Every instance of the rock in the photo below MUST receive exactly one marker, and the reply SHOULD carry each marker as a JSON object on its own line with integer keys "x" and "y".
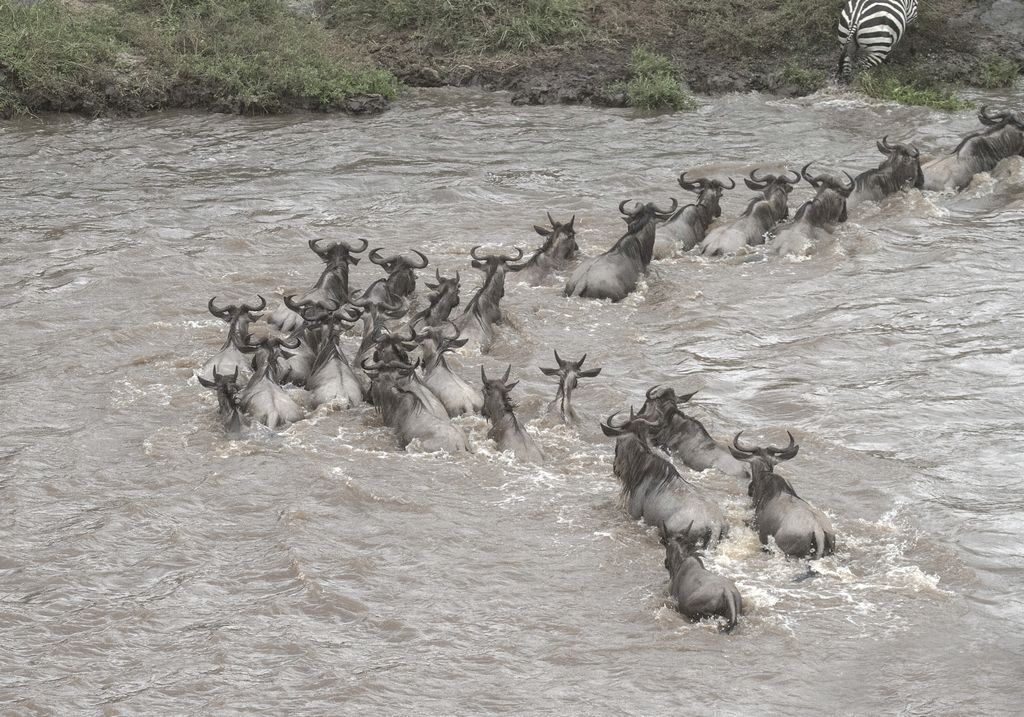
{"x": 365, "y": 104}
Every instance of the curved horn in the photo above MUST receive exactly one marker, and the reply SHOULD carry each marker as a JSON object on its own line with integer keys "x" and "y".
{"x": 848, "y": 189}
{"x": 483, "y": 375}
{"x": 508, "y": 372}
{"x": 353, "y": 250}
{"x": 689, "y": 186}
{"x": 367, "y": 364}
{"x": 731, "y": 186}
{"x": 505, "y": 258}
{"x": 651, "y": 390}
{"x": 738, "y": 447}
{"x": 670, "y": 210}
{"x": 787, "y": 181}
{"x": 437, "y": 273}
{"x": 314, "y": 244}
{"x": 622, "y": 207}
{"x": 289, "y": 301}
{"x": 558, "y": 359}
{"x": 261, "y": 307}
{"x": 423, "y": 259}
{"x": 219, "y": 313}
{"x": 472, "y": 253}
{"x": 913, "y": 151}
{"x": 553, "y": 222}
{"x": 754, "y": 178}
{"x": 784, "y": 454}
{"x": 803, "y": 172}
{"x": 377, "y": 259}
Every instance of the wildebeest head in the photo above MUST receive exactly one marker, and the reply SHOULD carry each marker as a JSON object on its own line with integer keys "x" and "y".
{"x": 496, "y": 394}
{"x": 267, "y": 354}
{"x": 338, "y": 254}
{"x": 559, "y": 239}
{"x": 829, "y": 205}
{"x": 228, "y": 404}
{"x": 775, "y": 189}
{"x": 1002, "y": 137}
{"x": 435, "y": 341}
{"x": 762, "y": 464}
{"x": 238, "y": 317}
{"x": 663, "y": 401}
{"x": 643, "y": 214}
{"x": 639, "y": 426}
{"x": 401, "y": 281}
{"x": 491, "y": 263}
{"x": 902, "y": 163}
{"x": 679, "y": 547}
{"x": 569, "y": 373}
{"x": 708, "y": 191}
{"x": 393, "y": 346}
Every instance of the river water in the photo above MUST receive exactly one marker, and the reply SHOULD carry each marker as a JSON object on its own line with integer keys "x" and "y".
{"x": 152, "y": 566}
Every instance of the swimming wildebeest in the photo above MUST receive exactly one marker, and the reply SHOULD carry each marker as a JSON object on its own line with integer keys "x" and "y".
{"x": 231, "y": 357}
{"x": 332, "y": 380}
{"x": 558, "y": 249}
{"x": 483, "y": 311}
{"x": 456, "y": 394}
{"x": 569, "y": 373}
{"x": 332, "y": 286}
{"x": 979, "y": 151}
{"x": 697, "y": 591}
{"x": 799, "y": 529}
{"x": 443, "y": 297}
{"x": 401, "y": 281}
{"x": 687, "y": 227}
{"x": 228, "y": 403}
{"x": 816, "y": 218}
{"x": 652, "y": 487}
{"x": 900, "y": 169}
{"x": 506, "y": 430}
{"x": 263, "y": 398}
{"x": 615, "y": 273}
{"x": 685, "y": 437}
{"x": 760, "y": 217}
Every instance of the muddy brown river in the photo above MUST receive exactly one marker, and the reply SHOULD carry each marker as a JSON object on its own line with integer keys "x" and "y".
{"x": 152, "y": 566}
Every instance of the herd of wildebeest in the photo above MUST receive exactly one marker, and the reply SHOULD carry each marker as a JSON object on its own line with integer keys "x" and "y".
{"x": 301, "y": 343}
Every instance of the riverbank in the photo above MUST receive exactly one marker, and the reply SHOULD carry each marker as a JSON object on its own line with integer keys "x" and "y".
{"x": 265, "y": 56}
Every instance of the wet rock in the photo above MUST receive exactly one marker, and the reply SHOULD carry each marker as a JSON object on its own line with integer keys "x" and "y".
{"x": 365, "y": 104}
{"x": 422, "y": 76}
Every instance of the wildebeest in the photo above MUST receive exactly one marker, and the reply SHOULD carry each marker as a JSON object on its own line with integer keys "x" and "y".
{"x": 615, "y": 273}
{"x": 230, "y": 357}
{"x": 979, "y": 151}
{"x": 263, "y": 398}
{"x": 760, "y": 217}
{"x": 443, "y": 298}
{"x": 652, "y": 487}
{"x": 685, "y": 437}
{"x": 332, "y": 286}
{"x": 228, "y": 403}
{"x": 816, "y": 218}
{"x": 332, "y": 379}
{"x": 569, "y": 373}
{"x": 687, "y": 227}
{"x": 456, "y": 394}
{"x": 799, "y": 529}
{"x": 506, "y": 430}
{"x": 558, "y": 249}
{"x": 483, "y": 311}
{"x": 401, "y": 281}
{"x": 698, "y": 592}
{"x": 900, "y": 169}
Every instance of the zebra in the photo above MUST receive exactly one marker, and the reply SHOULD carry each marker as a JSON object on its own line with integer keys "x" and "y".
{"x": 874, "y": 27}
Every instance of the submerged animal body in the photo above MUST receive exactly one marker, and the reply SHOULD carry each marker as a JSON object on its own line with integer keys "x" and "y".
{"x": 263, "y": 398}
{"x": 687, "y": 227}
{"x": 332, "y": 380}
{"x": 654, "y": 490}
{"x": 685, "y": 437}
{"x": 555, "y": 254}
{"x": 443, "y": 298}
{"x": 979, "y": 151}
{"x": 759, "y": 218}
{"x": 231, "y": 357}
{"x": 798, "y": 528}
{"x": 483, "y": 312}
{"x": 228, "y": 404}
{"x": 614, "y": 274}
{"x": 506, "y": 430}
{"x": 401, "y": 281}
{"x": 815, "y": 219}
{"x": 457, "y": 396}
{"x": 900, "y": 170}
{"x": 699, "y": 593}
{"x": 569, "y": 373}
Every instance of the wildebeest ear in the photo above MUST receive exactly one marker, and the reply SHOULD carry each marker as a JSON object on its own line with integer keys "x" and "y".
{"x": 510, "y": 386}
{"x": 457, "y": 343}
{"x": 739, "y": 455}
{"x": 477, "y": 264}
{"x": 206, "y": 382}
{"x": 685, "y": 398}
{"x": 589, "y": 373}
{"x": 548, "y": 371}
{"x": 543, "y": 231}
{"x": 756, "y": 186}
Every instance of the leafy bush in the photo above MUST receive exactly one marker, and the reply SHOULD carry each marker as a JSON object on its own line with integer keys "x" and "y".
{"x": 654, "y": 83}
{"x": 908, "y": 87}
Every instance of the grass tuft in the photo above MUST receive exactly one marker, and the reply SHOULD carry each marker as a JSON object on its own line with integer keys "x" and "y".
{"x": 654, "y": 83}
{"x": 997, "y": 72}
{"x": 805, "y": 80}
{"x": 908, "y": 87}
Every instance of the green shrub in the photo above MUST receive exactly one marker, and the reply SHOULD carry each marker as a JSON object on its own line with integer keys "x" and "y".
{"x": 908, "y": 87}
{"x": 807, "y": 81}
{"x": 997, "y": 72}
{"x": 474, "y": 25}
{"x": 654, "y": 83}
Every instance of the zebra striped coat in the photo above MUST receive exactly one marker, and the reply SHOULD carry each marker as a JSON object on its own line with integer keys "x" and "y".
{"x": 873, "y": 27}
